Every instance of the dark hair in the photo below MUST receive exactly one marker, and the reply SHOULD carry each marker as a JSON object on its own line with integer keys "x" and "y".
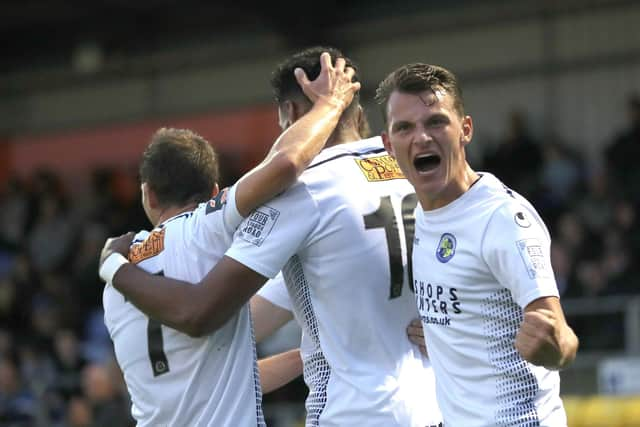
{"x": 180, "y": 167}
{"x": 284, "y": 83}
{"x": 416, "y": 78}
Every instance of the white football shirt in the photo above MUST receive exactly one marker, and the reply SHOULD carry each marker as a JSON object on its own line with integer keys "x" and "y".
{"x": 173, "y": 379}
{"x": 478, "y": 262}
{"x": 340, "y": 237}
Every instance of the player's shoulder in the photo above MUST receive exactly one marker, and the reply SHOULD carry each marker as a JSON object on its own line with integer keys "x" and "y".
{"x": 509, "y": 209}
{"x": 359, "y": 162}
{"x": 147, "y": 245}
{"x": 336, "y": 158}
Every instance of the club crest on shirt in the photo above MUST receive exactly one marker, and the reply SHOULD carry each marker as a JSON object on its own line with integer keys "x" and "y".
{"x": 258, "y": 225}
{"x": 380, "y": 168}
{"x": 446, "y": 248}
{"x": 522, "y": 220}
{"x": 217, "y": 202}
{"x": 149, "y": 247}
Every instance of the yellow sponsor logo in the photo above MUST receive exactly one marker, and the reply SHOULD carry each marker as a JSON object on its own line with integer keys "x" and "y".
{"x": 381, "y": 168}
{"x": 150, "y": 247}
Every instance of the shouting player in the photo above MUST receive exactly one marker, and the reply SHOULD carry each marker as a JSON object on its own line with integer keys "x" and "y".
{"x": 487, "y": 296}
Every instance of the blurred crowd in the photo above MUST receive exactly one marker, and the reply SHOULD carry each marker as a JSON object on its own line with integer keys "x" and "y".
{"x": 56, "y": 361}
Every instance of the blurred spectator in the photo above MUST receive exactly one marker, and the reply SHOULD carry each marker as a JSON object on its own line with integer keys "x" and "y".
{"x": 86, "y": 284}
{"x": 36, "y": 366}
{"x": 79, "y": 412}
{"x": 560, "y": 173}
{"x": 17, "y": 404}
{"x": 108, "y": 406}
{"x": 50, "y": 240}
{"x": 517, "y": 160}
{"x": 622, "y": 154}
{"x": 69, "y": 363}
{"x": 562, "y": 266}
{"x": 595, "y": 208}
{"x": 570, "y": 232}
{"x": 14, "y": 214}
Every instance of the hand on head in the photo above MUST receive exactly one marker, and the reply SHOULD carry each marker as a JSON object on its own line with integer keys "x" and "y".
{"x": 333, "y": 85}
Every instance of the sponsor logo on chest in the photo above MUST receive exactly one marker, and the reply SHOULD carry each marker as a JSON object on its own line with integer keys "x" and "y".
{"x": 380, "y": 168}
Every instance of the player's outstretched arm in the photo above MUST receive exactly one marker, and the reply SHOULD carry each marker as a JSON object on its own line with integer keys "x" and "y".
{"x": 544, "y": 338}
{"x": 279, "y": 370}
{"x": 194, "y": 310}
{"x": 293, "y": 151}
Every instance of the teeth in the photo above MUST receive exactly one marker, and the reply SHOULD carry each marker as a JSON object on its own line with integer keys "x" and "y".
{"x": 425, "y": 156}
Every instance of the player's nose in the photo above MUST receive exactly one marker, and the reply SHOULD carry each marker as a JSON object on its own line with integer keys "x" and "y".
{"x": 422, "y": 136}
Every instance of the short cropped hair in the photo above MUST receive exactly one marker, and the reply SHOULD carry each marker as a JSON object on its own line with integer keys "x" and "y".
{"x": 416, "y": 78}
{"x": 284, "y": 83}
{"x": 179, "y": 166}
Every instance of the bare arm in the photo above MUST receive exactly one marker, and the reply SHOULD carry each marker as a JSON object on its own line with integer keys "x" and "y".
{"x": 544, "y": 338}
{"x": 280, "y": 369}
{"x": 195, "y": 310}
{"x": 292, "y": 152}
{"x": 267, "y": 317}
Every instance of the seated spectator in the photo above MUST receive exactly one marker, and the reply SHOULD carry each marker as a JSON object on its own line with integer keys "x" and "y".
{"x": 18, "y": 405}
{"x": 622, "y": 154}
{"x": 518, "y": 158}
{"x": 108, "y": 406}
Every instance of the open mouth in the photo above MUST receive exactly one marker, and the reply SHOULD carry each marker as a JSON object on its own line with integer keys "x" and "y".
{"x": 426, "y": 162}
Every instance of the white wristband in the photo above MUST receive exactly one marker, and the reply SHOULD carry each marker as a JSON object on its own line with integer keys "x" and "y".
{"x": 111, "y": 265}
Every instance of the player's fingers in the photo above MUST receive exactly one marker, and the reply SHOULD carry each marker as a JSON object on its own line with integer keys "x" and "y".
{"x": 416, "y": 340}
{"x": 542, "y": 322}
{"x": 349, "y": 72}
{"x": 340, "y": 64}
{"x": 423, "y": 350}
{"x": 301, "y": 77}
{"x": 413, "y": 331}
{"x": 325, "y": 61}
{"x": 541, "y": 314}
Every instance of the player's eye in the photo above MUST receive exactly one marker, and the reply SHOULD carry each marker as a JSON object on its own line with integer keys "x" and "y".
{"x": 437, "y": 121}
{"x": 400, "y": 127}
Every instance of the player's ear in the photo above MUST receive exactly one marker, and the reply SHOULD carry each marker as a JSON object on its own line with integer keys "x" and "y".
{"x": 284, "y": 114}
{"x": 216, "y": 190}
{"x": 288, "y": 112}
{"x": 149, "y": 195}
{"x": 387, "y": 143}
{"x": 467, "y": 130}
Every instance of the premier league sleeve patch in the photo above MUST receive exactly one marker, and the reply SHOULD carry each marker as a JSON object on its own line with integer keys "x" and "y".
{"x": 446, "y": 248}
{"x": 258, "y": 225}
{"x": 522, "y": 220}
{"x": 535, "y": 262}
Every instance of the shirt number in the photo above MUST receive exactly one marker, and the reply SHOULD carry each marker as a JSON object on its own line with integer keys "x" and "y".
{"x": 385, "y": 218}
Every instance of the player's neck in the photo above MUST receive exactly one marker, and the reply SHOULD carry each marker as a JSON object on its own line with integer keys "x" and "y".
{"x": 343, "y": 135}
{"x": 455, "y": 189}
{"x": 172, "y": 211}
